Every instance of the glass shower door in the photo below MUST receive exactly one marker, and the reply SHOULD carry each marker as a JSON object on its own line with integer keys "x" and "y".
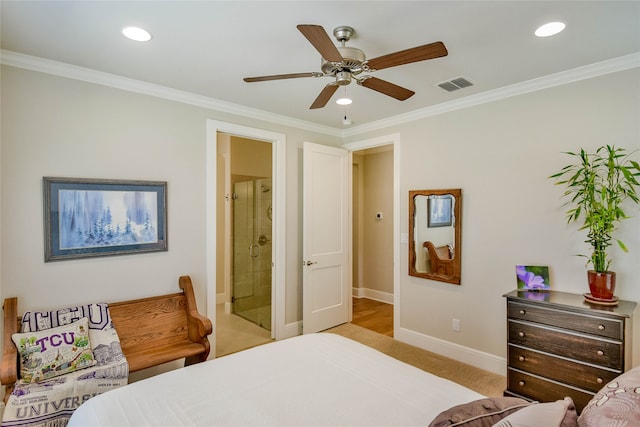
{"x": 252, "y": 251}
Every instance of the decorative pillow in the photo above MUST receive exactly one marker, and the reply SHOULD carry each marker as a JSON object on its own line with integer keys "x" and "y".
{"x": 52, "y": 352}
{"x": 479, "y": 413}
{"x": 616, "y": 404}
{"x": 561, "y": 413}
{"x": 98, "y": 315}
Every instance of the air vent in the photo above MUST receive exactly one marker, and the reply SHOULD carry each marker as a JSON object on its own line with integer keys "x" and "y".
{"x": 455, "y": 84}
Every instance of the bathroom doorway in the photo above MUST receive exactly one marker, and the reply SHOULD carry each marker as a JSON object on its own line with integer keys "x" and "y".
{"x": 234, "y": 333}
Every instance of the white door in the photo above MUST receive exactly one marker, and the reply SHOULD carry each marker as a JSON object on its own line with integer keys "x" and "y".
{"x": 326, "y": 237}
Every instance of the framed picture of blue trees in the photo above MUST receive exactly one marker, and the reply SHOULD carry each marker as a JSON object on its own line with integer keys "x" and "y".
{"x": 91, "y": 217}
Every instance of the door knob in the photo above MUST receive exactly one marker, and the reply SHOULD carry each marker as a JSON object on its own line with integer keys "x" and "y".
{"x": 308, "y": 263}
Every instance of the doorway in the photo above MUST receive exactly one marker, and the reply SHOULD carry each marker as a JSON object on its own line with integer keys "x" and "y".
{"x": 218, "y": 233}
{"x": 248, "y": 228}
{"x": 373, "y": 238}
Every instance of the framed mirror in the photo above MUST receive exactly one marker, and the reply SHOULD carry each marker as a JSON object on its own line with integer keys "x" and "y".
{"x": 435, "y": 230}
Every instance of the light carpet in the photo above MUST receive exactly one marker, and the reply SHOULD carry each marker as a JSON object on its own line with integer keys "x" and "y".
{"x": 484, "y": 382}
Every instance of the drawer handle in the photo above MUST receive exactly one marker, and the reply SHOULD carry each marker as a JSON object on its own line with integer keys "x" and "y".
{"x": 601, "y": 327}
{"x": 599, "y": 380}
{"x": 521, "y": 334}
{"x": 600, "y": 353}
{"x": 522, "y": 358}
{"x": 521, "y": 383}
{"x": 523, "y": 311}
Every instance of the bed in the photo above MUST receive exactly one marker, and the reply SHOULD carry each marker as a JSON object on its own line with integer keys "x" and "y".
{"x": 311, "y": 380}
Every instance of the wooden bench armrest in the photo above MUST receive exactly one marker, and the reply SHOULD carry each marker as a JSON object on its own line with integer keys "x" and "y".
{"x": 199, "y": 325}
{"x": 8, "y": 366}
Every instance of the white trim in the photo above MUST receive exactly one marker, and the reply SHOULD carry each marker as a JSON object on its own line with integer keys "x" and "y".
{"x": 221, "y": 298}
{"x": 564, "y": 77}
{"x": 279, "y": 168}
{"x": 373, "y": 294}
{"x": 61, "y": 69}
{"x": 42, "y": 65}
{"x": 373, "y": 142}
{"x": 292, "y": 330}
{"x": 470, "y": 356}
{"x": 210, "y": 228}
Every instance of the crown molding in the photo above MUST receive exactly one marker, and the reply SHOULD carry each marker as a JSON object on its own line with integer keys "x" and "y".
{"x": 61, "y": 69}
{"x": 564, "y": 77}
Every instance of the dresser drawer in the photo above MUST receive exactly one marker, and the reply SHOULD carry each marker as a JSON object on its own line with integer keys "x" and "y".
{"x": 542, "y": 390}
{"x": 603, "y": 327}
{"x": 588, "y": 377}
{"x": 597, "y": 351}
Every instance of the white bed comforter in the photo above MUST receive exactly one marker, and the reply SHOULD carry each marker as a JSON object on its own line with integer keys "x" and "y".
{"x": 310, "y": 380}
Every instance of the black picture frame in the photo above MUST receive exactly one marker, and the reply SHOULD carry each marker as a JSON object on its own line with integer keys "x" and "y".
{"x": 86, "y": 217}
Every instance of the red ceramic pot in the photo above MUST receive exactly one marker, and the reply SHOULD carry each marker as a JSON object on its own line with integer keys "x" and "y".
{"x": 602, "y": 285}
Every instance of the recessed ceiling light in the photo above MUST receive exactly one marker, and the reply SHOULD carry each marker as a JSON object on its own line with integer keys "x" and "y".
{"x": 344, "y": 101}
{"x": 137, "y": 34}
{"x": 550, "y": 29}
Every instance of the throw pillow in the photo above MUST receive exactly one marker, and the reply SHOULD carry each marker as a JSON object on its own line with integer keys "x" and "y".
{"x": 561, "y": 413}
{"x": 97, "y": 313}
{"x": 53, "y": 352}
{"x": 479, "y": 413}
{"x": 616, "y": 404}
{"x": 104, "y": 337}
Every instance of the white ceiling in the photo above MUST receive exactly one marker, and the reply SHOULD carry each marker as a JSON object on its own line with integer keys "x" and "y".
{"x": 207, "y": 47}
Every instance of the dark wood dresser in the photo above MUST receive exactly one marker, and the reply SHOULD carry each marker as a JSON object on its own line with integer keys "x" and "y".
{"x": 559, "y": 345}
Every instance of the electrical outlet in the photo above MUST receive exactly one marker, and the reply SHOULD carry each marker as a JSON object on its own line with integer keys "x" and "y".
{"x": 456, "y": 325}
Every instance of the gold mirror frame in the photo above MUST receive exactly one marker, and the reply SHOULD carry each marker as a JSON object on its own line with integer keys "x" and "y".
{"x": 449, "y": 270}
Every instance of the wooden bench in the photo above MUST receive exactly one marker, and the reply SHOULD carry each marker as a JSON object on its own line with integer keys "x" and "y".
{"x": 440, "y": 259}
{"x": 152, "y": 331}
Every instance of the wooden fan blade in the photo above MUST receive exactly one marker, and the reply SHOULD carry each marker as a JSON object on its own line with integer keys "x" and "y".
{"x": 319, "y": 38}
{"x": 280, "y": 77}
{"x": 324, "y": 96}
{"x": 386, "y": 88}
{"x": 408, "y": 56}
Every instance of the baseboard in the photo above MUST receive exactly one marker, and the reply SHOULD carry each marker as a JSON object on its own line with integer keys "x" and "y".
{"x": 373, "y": 294}
{"x": 292, "y": 330}
{"x": 221, "y": 298}
{"x": 479, "y": 359}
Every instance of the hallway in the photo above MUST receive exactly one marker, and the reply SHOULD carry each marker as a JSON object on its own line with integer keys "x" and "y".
{"x": 373, "y": 315}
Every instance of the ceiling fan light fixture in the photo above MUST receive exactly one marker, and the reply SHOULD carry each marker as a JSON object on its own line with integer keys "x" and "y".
{"x": 137, "y": 34}
{"x": 346, "y": 63}
{"x": 343, "y": 101}
{"x": 550, "y": 29}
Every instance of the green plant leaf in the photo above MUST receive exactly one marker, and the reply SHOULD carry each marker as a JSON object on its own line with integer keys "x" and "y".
{"x": 597, "y": 185}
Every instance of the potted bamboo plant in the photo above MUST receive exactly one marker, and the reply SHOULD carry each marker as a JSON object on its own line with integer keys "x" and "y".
{"x": 597, "y": 185}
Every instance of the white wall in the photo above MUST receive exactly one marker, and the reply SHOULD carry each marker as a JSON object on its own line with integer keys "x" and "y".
{"x": 378, "y": 233}
{"x": 53, "y": 126}
{"x": 501, "y": 154}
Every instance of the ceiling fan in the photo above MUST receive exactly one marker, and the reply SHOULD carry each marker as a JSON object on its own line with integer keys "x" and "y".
{"x": 347, "y": 63}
